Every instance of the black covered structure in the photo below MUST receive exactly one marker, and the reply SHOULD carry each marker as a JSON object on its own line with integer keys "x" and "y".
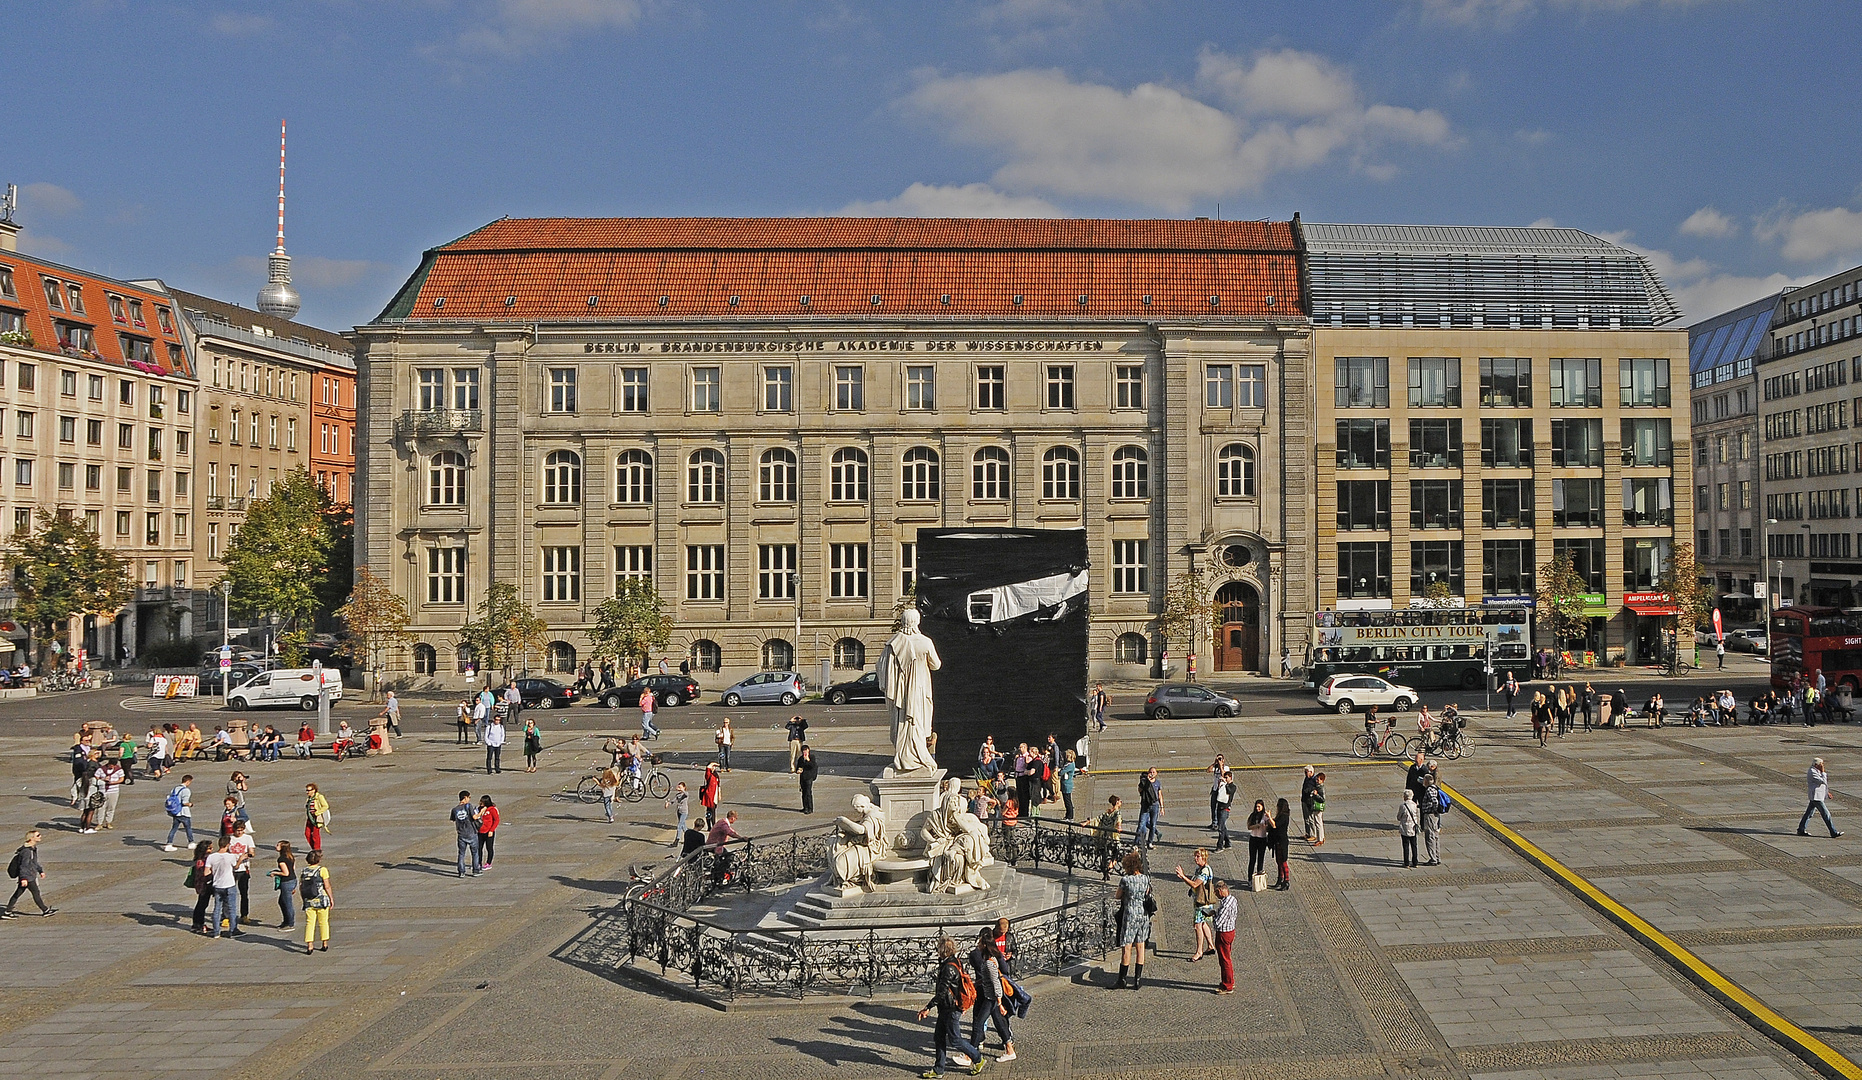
{"x": 1007, "y": 609}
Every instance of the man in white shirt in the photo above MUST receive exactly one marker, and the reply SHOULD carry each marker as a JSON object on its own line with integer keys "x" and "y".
{"x": 222, "y": 879}
{"x": 113, "y": 777}
{"x": 494, "y": 746}
{"x": 157, "y": 747}
{"x": 241, "y": 845}
{"x": 513, "y": 702}
{"x": 1227, "y": 910}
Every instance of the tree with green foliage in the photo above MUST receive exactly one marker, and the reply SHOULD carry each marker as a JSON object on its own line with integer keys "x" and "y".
{"x": 60, "y": 571}
{"x": 630, "y": 624}
{"x": 279, "y": 562}
{"x": 506, "y": 631}
{"x": 376, "y": 617}
{"x": 1188, "y": 609}
{"x": 1561, "y": 600}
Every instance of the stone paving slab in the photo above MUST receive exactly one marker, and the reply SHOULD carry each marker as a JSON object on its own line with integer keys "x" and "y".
{"x": 1749, "y": 1068}
{"x": 1465, "y": 849}
{"x": 1632, "y": 845}
{"x": 1713, "y": 800}
{"x": 1816, "y": 984}
{"x": 1715, "y": 900}
{"x": 133, "y": 1039}
{"x": 1421, "y": 915}
{"x": 1561, "y": 806}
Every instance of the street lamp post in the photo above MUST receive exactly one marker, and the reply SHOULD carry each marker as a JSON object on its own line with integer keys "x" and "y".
{"x": 226, "y": 638}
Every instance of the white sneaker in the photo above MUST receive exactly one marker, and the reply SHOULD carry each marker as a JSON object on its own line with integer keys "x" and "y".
{"x": 86, "y": 832}
{"x": 1010, "y": 1056}
{"x": 962, "y": 1061}
{"x": 169, "y": 847}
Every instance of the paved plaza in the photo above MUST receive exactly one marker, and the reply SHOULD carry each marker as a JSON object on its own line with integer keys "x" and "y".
{"x": 1483, "y": 967}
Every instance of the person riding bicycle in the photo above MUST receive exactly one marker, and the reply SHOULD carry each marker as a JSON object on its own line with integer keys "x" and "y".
{"x": 1425, "y": 725}
{"x": 1370, "y": 724}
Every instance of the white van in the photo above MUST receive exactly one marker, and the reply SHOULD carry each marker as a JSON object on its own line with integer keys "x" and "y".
{"x": 286, "y": 686}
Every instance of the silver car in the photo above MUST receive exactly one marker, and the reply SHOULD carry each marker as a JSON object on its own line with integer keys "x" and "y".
{"x": 768, "y": 686}
{"x": 1188, "y": 699}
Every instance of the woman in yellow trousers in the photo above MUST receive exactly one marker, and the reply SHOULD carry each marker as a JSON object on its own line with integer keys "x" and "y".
{"x": 314, "y": 890}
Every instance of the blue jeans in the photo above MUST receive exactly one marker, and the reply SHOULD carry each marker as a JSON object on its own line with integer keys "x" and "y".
{"x": 1148, "y": 821}
{"x": 949, "y": 1036}
{"x": 647, "y": 730}
{"x": 226, "y": 906}
{"x": 287, "y": 903}
{"x": 181, "y": 821}
{"x": 468, "y": 847}
{"x": 1820, "y": 807}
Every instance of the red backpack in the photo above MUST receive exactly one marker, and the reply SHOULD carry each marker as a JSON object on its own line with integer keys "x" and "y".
{"x": 966, "y": 987}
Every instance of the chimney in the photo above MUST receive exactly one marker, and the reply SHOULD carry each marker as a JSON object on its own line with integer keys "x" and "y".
{"x": 9, "y": 230}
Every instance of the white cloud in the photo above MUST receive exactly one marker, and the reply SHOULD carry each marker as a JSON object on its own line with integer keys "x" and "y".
{"x": 519, "y": 27}
{"x": 1698, "y": 287}
{"x": 38, "y": 243}
{"x": 1543, "y": 223}
{"x": 1507, "y": 12}
{"x": 49, "y": 200}
{"x": 1810, "y": 235}
{"x": 1159, "y": 146}
{"x": 1708, "y": 222}
{"x": 952, "y": 200}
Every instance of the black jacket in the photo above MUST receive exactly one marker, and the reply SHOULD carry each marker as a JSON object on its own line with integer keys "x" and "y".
{"x": 1149, "y": 793}
{"x": 797, "y": 730}
{"x": 949, "y": 985}
{"x": 1308, "y": 791}
{"x": 807, "y": 767}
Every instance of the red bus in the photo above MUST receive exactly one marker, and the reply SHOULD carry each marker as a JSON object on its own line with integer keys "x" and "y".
{"x": 1805, "y": 640}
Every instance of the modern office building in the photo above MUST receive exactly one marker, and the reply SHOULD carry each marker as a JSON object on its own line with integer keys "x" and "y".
{"x": 759, "y": 415}
{"x": 1487, "y": 399}
{"x": 1807, "y": 409}
{"x": 98, "y": 396}
{"x": 1729, "y": 521}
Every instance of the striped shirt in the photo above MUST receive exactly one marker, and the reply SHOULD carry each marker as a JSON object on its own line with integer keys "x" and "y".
{"x": 1226, "y": 913}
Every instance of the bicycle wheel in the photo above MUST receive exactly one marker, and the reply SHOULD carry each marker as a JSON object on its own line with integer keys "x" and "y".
{"x": 1398, "y": 747}
{"x": 1464, "y": 747}
{"x": 588, "y": 791}
{"x": 659, "y": 785}
{"x": 1451, "y": 751}
{"x": 1361, "y": 746}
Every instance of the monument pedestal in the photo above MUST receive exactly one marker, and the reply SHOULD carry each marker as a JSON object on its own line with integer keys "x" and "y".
{"x": 904, "y": 799}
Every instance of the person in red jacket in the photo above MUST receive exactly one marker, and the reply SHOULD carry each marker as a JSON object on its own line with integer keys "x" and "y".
{"x": 708, "y": 795}
{"x": 487, "y": 827}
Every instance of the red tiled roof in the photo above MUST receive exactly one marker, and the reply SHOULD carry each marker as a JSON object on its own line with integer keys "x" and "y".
{"x": 552, "y": 266}
{"x": 28, "y": 276}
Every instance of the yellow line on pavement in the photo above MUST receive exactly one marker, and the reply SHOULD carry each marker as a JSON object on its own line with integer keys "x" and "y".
{"x": 1818, "y": 1054}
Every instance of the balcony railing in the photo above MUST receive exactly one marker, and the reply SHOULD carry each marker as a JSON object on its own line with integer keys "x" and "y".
{"x": 414, "y": 422}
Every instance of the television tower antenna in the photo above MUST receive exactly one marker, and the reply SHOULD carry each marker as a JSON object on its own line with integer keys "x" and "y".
{"x": 278, "y": 297}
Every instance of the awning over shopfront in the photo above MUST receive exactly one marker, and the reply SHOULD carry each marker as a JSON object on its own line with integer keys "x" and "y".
{"x": 1655, "y": 604}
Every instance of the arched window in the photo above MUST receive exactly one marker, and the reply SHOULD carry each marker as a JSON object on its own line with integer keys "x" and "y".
{"x": 850, "y": 653}
{"x": 775, "y": 476}
{"x": 426, "y": 659}
{"x": 559, "y": 656}
{"x": 706, "y": 656}
{"x": 1060, "y": 473}
{"x": 919, "y": 480}
{"x": 989, "y": 473}
{"x": 778, "y": 655}
{"x": 1130, "y": 649}
{"x": 633, "y": 477}
{"x": 1131, "y": 473}
{"x": 465, "y": 661}
{"x": 1234, "y": 471}
{"x": 446, "y": 475}
{"x": 562, "y": 477}
{"x": 847, "y": 475}
{"x": 704, "y": 477}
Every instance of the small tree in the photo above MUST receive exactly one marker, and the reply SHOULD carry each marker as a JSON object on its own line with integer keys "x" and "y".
{"x": 1561, "y": 599}
{"x": 506, "y": 632}
{"x": 376, "y": 617}
{"x": 279, "y": 562}
{"x": 1188, "y": 609}
{"x": 1436, "y": 594}
{"x": 60, "y": 571}
{"x": 630, "y": 623}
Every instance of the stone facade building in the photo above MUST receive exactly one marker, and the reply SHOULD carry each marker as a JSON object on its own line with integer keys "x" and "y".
{"x": 758, "y": 416}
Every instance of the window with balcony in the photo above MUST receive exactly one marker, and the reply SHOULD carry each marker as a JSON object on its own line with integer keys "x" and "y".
{"x": 1364, "y": 444}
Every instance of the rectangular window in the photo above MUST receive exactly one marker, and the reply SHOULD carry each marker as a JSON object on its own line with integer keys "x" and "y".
{"x": 290, "y": 435}
{"x": 93, "y": 478}
{"x": 1219, "y": 386}
{"x": 1436, "y": 562}
{"x": 633, "y": 562}
{"x": 1128, "y": 386}
{"x": 707, "y": 390}
{"x": 125, "y": 436}
{"x": 1577, "y": 503}
{"x": 1129, "y": 566}
{"x": 634, "y": 389}
{"x": 93, "y": 432}
{"x": 1435, "y": 444}
{"x": 1506, "y": 568}
{"x": 991, "y": 386}
{"x": 1745, "y": 495}
{"x": 68, "y": 383}
{"x": 68, "y": 429}
{"x": 778, "y": 388}
{"x": 54, "y": 296}
{"x": 1364, "y": 444}
{"x": 1577, "y": 384}
{"x": 1506, "y": 504}
{"x": 562, "y": 390}
{"x": 1251, "y": 386}
{"x": 1361, "y": 382}
{"x": 122, "y": 523}
{"x": 1506, "y": 384}
{"x": 1745, "y": 542}
{"x": 1644, "y": 383}
{"x": 1060, "y": 386}
{"x": 562, "y": 574}
{"x": 1435, "y": 504}
{"x": 1577, "y": 443}
{"x": 1648, "y": 502}
{"x": 1363, "y": 504}
{"x": 154, "y": 487}
{"x": 704, "y": 572}
{"x": 1434, "y": 382}
{"x": 1644, "y": 563}
{"x": 775, "y": 571}
{"x": 445, "y": 573}
{"x": 1646, "y": 442}
{"x": 1724, "y": 493}
{"x": 94, "y": 387}
{"x": 850, "y": 387}
{"x": 23, "y": 424}
{"x": 28, "y": 377}
{"x": 1586, "y": 556}
{"x": 181, "y": 485}
{"x": 1364, "y": 571}
{"x": 465, "y": 388}
{"x": 184, "y": 401}
{"x": 847, "y": 571}
{"x": 125, "y": 392}
{"x": 180, "y": 527}
{"x": 920, "y": 387}
{"x": 152, "y": 530}
{"x": 93, "y": 521}
{"x": 67, "y": 476}
{"x": 124, "y": 478}
{"x": 908, "y": 568}
{"x": 155, "y": 444}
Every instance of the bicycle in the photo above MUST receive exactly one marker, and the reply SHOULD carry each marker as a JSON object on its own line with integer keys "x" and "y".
{"x": 585, "y": 788}
{"x": 1389, "y": 744}
{"x": 657, "y": 783}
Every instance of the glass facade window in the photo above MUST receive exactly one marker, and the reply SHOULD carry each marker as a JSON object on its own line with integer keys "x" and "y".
{"x": 1507, "y": 568}
{"x": 1364, "y": 444}
{"x": 1363, "y": 504}
{"x": 1436, "y": 562}
{"x": 1361, "y": 382}
{"x": 1577, "y": 384}
{"x": 1434, "y": 382}
{"x": 1506, "y": 504}
{"x": 1648, "y": 442}
{"x": 1577, "y": 443}
{"x": 1506, "y": 383}
{"x": 1643, "y": 383}
{"x": 1435, "y": 504}
{"x": 1364, "y": 571}
{"x": 1586, "y": 556}
{"x": 1649, "y": 502}
{"x": 1644, "y": 563}
{"x": 1577, "y": 503}
{"x": 1435, "y": 444}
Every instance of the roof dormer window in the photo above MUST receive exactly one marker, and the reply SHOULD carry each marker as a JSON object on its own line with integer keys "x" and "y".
{"x": 135, "y": 313}
{"x": 54, "y": 295}
{"x": 165, "y": 320}
{"x": 76, "y": 292}
{"x": 6, "y": 283}
{"x": 117, "y": 313}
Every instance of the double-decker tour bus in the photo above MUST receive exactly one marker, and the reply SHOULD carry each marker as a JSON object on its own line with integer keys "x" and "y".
{"x": 1805, "y": 640}
{"x": 1427, "y": 648}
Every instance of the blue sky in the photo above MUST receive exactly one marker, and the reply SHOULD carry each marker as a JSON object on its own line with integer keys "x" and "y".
{"x": 1717, "y": 135}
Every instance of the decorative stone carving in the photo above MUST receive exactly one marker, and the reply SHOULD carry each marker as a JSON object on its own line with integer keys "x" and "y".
{"x": 905, "y": 669}
{"x": 856, "y": 844}
{"x": 956, "y": 843}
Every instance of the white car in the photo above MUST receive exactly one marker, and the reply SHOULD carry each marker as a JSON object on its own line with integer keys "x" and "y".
{"x": 1756, "y": 635}
{"x": 286, "y": 686}
{"x": 1349, "y": 693}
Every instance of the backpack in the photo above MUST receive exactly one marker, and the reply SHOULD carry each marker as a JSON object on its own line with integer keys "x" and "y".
{"x": 12, "y": 871}
{"x": 310, "y": 885}
{"x": 1445, "y": 803}
{"x": 1047, "y": 770}
{"x": 172, "y": 803}
{"x": 966, "y": 987}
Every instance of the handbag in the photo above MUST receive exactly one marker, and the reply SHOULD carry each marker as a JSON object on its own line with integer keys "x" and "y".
{"x": 1203, "y": 894}
{"x": 1258, "y": 883}
{"x": 1150, "y": 904}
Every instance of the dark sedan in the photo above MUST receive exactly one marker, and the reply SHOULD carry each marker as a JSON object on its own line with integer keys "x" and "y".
{"x": 669, "y": 691}
{"x": 210, "y": 677}
{"x": 864, "y": 688}
{"x": 545, "y": 694}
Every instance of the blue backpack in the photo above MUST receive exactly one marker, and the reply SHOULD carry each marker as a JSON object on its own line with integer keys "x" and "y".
{"x": 1446, "y": 804}
{"x": 172, "y": 803}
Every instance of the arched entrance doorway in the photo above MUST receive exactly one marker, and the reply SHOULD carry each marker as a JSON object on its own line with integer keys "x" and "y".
{"x": 1239, "y": 646}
